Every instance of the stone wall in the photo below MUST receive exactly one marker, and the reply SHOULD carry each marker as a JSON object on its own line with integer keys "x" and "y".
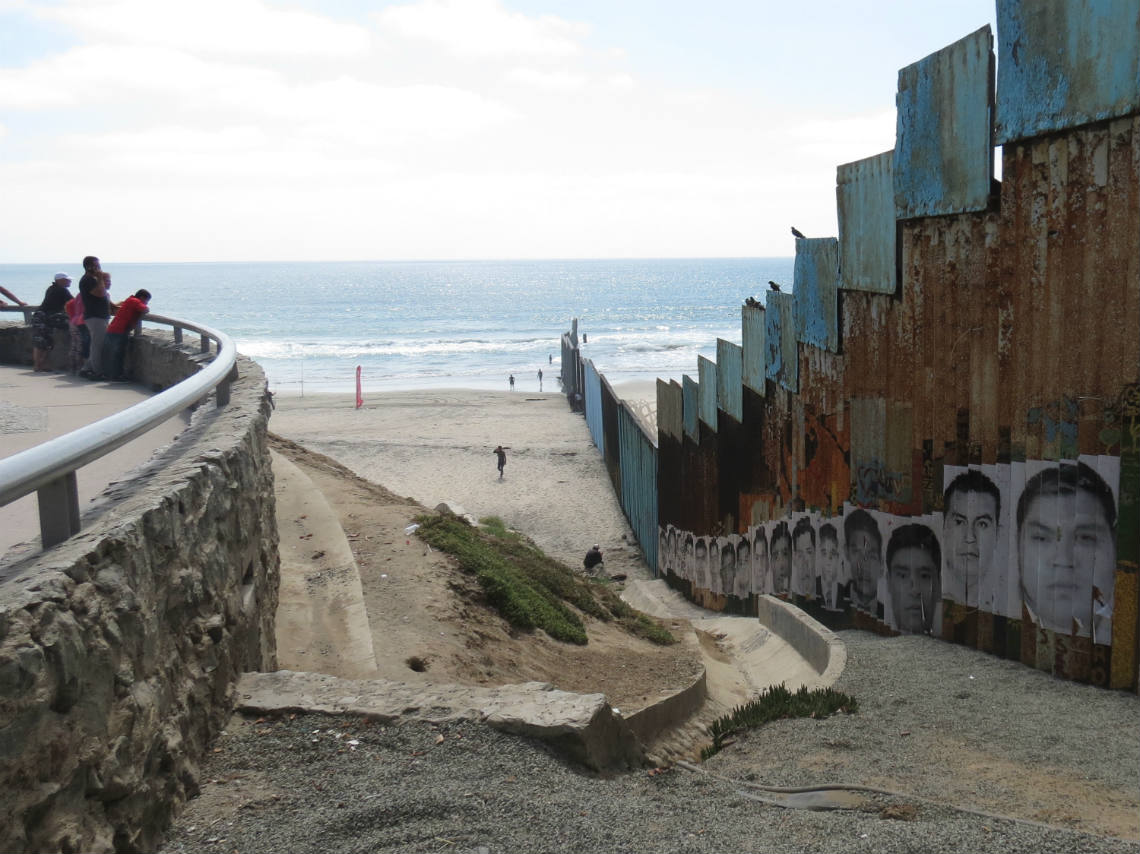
{"x": 120, "y": 647}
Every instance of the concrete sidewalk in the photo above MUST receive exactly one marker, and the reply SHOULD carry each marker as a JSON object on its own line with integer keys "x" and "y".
{"x": 35, "y": 407}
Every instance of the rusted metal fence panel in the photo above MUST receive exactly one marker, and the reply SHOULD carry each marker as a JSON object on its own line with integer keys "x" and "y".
{"x": 690, "y": 395}
{"x": 944, "y": 161}
{"x": 639, "y": 482}
{"x": 752, "y": 343}
{"x": 1065, "y": 63}
{"x": 670, "y": 409}
{"x": 865, "y": 194}
{"x": 729, "y": 383}
{"x": 610, "y": 405}
{"x": 593, "y": 402}
{"x": 816, "y": 290}
{"x": 706, "y": 396}
{"x": 782, "y": 360}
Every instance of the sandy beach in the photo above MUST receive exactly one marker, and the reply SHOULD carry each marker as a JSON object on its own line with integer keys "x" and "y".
{"x": 438, "y": 445}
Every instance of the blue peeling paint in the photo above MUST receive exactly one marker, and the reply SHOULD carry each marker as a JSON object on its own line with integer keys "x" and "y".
{"x": 816, "y": 289}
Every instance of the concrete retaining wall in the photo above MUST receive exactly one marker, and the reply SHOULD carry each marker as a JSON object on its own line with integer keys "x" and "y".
{"x": 814, "y": 641}
{"x": 120, "y": 647}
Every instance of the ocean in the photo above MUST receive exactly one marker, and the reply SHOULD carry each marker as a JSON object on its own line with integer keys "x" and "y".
{"x": 465, "y": 324}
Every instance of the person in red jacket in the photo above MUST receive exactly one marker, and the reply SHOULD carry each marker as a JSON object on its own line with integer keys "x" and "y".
{"x": 115, "y": 342}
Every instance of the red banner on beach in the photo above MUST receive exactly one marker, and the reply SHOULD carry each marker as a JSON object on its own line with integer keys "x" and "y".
{"x": 359, "y": 397}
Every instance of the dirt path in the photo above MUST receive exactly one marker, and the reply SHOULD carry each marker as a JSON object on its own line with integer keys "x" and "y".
{"x": 428, "y": 624}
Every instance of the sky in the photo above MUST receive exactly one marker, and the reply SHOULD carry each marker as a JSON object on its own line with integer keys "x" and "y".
{"x": 320, "y": 130}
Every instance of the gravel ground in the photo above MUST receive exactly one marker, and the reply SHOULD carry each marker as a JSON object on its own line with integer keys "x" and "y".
{"x": 937, "y": 721}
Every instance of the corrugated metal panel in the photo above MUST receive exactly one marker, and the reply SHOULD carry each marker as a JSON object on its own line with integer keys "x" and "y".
{"x": 639, "y": 482}
{"x": 1065, "y": 63}
{"x": 610, "y": 406}
{"x": 690, "y": 394}
{"x": 728, "y": 381}
{"x": 706, "y": 397}
{"x": 755, "y": 352}
{"x": 670, "y": 409}
{"x": 593, "y": 398}
{"x": 816, "y": 277}
{"x": 865, "y": 194}
{"x": 944, "y": 160}
{"x": 782, "y": 362}
{"x": 569, "y": 366}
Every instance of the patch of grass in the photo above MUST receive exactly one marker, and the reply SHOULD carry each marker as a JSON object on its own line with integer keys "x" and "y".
{"x": 498, "y": 528}
{"x": 528, "y": 587}
{"x": 775, "y": 704}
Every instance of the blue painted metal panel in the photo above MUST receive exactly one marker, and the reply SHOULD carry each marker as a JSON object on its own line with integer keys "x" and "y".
{"x": 639, "y": 483}
{"x": 670, "y": 408}
{"x": 593, "y": 400}
{"x": 782, "y": 362}
{"x": 729, "y": 386}
{"x": 865, "y": 193}
{"x": 1065, "y": 63}
{"x": 706, "y": 395}
{"x": 752, "y": 338}
{"x": 816, "y": 290}
{"x": 944, "y": 160}
{"x": 690, "y": 394}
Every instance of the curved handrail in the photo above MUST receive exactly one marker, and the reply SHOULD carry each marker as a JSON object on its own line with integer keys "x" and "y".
{"x": 58, "y": 458}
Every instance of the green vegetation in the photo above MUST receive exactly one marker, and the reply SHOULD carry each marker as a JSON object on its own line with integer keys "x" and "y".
{"x": 530, "y": 589}
{"x": 774, "y": 704}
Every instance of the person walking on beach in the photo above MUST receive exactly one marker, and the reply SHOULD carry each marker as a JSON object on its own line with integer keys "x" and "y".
{"x": 512, "y": 382}
{"x": 540, "y": 379}
{"x": 502, "y": 455}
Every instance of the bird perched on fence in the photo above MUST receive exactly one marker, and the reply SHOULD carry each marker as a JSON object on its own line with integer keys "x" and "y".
{"x": 796, "y": 233}
{"x": 773, "y": 286}
{"x": 752, "y": 302}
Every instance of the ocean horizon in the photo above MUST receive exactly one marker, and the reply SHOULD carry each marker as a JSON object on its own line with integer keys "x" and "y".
{"x": 436, "y": 324}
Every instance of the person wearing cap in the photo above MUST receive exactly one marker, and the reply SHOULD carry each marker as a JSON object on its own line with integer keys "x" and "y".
{"x": 49, "y": 317}
{"x": 593, "y": 558}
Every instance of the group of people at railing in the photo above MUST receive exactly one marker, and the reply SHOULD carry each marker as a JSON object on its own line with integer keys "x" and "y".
{"x": 97, "y": 327}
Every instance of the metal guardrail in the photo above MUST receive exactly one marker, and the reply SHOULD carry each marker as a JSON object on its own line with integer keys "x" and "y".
{"x": 49, "y": 468}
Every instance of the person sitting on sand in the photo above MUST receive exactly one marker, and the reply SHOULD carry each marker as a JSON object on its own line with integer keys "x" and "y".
{"x": 593, "y": 559}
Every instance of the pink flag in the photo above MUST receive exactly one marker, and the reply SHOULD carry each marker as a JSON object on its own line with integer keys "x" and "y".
{"x": 359, "y": 397}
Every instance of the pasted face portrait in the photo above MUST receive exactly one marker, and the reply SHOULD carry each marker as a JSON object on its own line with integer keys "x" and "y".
{"x": 913, "y": 577}
{"x": 803, "y": 556}
{"x": 701, "y": 562}
{"x": 863, "y": 546}
{"x": 1066, "y": 532}
{"x": 727, "y": 568}
{"x": 827, "y": 562}
{"x": 760, "y": 561}
{"x": 780, "y": 558}
{"x": 690, "y": 561}
{"x": 971, "y": 517}
{"x": 663, "y": 563}
{"x": 714, "y": 565}
{"x": 743, "y": 566}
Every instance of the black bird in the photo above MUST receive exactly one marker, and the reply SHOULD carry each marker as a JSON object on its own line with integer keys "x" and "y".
{"x": 773, "y": 285}
{"x": 752, "y": 302}
{"x": 797, "y": 233}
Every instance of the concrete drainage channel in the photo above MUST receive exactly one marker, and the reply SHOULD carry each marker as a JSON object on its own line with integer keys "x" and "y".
{"x": 742, "y": 657}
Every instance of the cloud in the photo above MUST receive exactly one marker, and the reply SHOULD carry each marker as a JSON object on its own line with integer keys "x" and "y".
{"x": 547, "y": 81}
{"x": 227, "y": 27}
{"x": 482, "y": 29}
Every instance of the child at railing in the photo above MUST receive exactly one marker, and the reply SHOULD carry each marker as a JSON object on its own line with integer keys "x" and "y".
{"x": 115, "y": 341}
